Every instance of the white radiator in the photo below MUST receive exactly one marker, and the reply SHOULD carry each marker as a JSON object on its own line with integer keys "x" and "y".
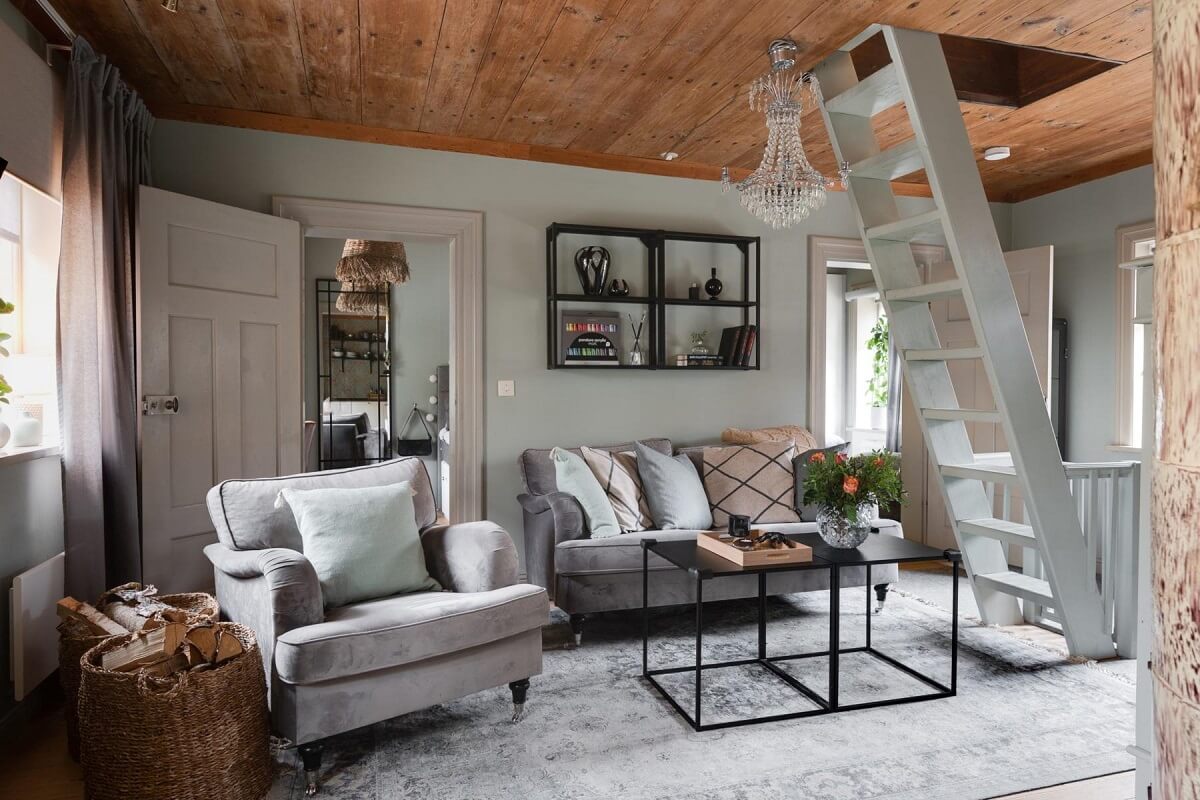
{"x": 34, "y": 645}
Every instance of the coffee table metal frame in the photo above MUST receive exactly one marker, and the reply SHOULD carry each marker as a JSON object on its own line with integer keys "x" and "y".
{"x": 824, "y": 557}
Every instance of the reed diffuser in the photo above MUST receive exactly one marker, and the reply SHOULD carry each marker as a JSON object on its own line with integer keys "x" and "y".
{"x": 636, "y": 357}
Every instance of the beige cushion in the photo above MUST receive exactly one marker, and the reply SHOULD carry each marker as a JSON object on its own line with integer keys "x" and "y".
{"x": 618, "y": 476}
{"x": 751, "y": 480}
{"x": 802, "y": 437}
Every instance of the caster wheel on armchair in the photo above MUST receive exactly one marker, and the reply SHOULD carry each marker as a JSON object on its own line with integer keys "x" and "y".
{"x": 520, "y": 689}
{"x": 310, "y": 754}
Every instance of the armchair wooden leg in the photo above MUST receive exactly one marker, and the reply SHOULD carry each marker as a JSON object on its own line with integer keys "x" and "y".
{"x": 881, "y": 590}
{"x": 520, "y": 690}
{"x": 310, "y": 754}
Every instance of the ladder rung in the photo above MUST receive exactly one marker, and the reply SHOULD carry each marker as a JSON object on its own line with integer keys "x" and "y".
{"x": 988, "y": 473}
{"x": 1002, "y": 529}
{"x": 877, "y": 92}
{"x": 907, "y": 229}
{"x": 1018, "y": 585}
{"x": 961, "y": 414}
{"x": 926, "y": 291}
{"x": 950, "y": 354}
{"x": 895, "y": 162}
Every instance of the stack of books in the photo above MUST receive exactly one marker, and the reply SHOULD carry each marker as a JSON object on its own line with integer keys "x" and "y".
{"x": 694, "y": 360}
{"x": 737, "y": 345}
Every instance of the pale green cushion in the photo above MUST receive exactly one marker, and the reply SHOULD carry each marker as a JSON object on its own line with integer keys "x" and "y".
{"x": 674, "y": 490}
{"x": 573, "y": 476}
{"x": 363, "y": 543}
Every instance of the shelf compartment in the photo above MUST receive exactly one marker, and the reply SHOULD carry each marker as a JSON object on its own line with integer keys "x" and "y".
{"x": 685, "y": 301}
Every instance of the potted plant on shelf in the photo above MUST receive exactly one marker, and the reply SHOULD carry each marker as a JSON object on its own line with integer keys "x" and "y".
{"x": 877, "y": 387}
{"x": 5, "y": 390}
{"x": 847, "y": 491}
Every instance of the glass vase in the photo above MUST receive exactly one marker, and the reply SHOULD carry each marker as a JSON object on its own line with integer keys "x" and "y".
{"x": 838, "y": 531}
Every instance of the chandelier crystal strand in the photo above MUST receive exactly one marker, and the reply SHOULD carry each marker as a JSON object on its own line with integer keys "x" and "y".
{"x": 785, "y": 188}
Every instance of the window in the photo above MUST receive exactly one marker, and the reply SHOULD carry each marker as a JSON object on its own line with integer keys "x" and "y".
{"x": 29, "y": 241}
{"x": 1133, "y": 242}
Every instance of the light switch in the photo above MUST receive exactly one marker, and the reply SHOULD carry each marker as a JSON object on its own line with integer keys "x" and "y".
{"x": 506, "y": 388}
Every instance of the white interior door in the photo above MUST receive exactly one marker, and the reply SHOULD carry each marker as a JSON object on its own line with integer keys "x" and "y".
{"x": 219, "y": 328}
{"x": 1032, "y": 273}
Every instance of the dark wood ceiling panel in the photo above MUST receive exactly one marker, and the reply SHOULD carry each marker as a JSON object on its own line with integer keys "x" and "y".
{"x": 466, "y": 27}
{"x": 580, "y": 27}
{"x": 398, "y": 43}
{"x": 512, "y": 49}
{"x": 195, "y": 41}
{"x": 332, "y": 68}
{"x": 268, "y": 39}
{"x": 112, "y": 30}
{"x": 607, "y": 83}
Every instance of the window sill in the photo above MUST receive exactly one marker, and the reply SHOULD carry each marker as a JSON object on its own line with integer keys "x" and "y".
{"x": 15, "y": 455}
{"x": 1123, "y": 448}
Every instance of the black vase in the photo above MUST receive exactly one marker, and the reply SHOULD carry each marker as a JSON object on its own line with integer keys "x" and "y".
{"x": 713, "y": 285}
{"x": 591, "y": 265}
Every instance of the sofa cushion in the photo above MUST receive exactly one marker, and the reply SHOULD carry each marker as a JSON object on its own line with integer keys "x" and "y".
{"x": 674, "y": 490}
{"x": 751, "y": 480}
{"x": 780, "y": 433}
{"x": 245, "y": 516}
{"x": 624, "y": 553}
{"x": 618, "y": 475}
{"x": 537, "y": 470}
{"x": 400, "y": 630}
{"x": 575, "y": 477}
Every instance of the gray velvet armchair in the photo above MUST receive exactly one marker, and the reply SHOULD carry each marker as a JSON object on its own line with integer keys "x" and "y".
{"x": 333, "y": 670}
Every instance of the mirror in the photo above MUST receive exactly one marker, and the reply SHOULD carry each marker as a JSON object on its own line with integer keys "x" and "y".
{"x": 353, "y": 376}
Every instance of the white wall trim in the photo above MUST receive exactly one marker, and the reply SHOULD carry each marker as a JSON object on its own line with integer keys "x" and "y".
{"x": 464, "y": 231}
{"x": 1127, "y": 236}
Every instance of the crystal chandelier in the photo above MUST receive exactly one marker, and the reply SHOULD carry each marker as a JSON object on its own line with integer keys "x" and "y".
{"x": 785, "y": 188}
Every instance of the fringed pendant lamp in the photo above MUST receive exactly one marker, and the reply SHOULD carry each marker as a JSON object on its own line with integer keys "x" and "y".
{"x": 366, "y": 269}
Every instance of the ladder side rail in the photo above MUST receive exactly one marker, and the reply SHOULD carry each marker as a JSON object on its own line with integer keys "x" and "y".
{"x": 912, "y": 325}
{"x": 975, "y": 251}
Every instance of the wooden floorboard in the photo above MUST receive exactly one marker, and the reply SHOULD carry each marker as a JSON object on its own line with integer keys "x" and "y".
{"x": 1111, "y": 787}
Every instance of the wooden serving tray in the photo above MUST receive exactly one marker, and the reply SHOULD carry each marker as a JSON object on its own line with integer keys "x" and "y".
{"x": 712, "y": 541}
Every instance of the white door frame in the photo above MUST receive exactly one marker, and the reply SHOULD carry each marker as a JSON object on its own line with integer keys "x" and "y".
{"x": 822, "y": 250}
{"x": 464, "y": 231}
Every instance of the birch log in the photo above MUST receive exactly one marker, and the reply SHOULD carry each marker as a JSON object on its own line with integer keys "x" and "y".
{"x": 1175, "y": 505}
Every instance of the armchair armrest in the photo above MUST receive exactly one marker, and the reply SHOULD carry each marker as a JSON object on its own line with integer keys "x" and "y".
{"x": 272, "y": 591}
{"x": 470, "y": 556}
{"x": 550, "y": 519}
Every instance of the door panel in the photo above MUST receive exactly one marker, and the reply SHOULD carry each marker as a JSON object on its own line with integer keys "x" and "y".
{"x": 1032, "y": 274}
{"x": 219, "y": 327}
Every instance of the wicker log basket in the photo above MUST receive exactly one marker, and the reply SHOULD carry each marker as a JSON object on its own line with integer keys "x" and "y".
{"x": 194, "y": 735}
{"x": 75, "y": 639}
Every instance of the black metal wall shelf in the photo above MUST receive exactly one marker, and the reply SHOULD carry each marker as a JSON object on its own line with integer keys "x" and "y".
{"x": 658, "y": 268}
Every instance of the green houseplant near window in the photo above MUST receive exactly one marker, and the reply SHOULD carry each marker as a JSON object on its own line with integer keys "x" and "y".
{"x": 878, "y": 346}
{"x": 5, "y": 390}
{"x": 846, "y": 489}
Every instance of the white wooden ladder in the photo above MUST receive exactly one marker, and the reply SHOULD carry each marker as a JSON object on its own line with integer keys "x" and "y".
{"x": 918, "y": 77}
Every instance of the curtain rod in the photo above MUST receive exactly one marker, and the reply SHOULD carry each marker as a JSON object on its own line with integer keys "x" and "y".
{"x": 59, "y": 23}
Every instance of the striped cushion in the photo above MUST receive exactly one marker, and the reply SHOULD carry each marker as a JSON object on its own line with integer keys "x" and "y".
{"x": 618, "y": 476}
{"x": 752, "y": 480}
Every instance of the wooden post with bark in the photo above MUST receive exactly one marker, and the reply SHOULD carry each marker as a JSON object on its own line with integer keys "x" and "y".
{"x": 1175, "y": 504}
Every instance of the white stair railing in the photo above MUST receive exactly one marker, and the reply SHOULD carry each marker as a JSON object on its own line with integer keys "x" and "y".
{"x": 1107, "y": 498}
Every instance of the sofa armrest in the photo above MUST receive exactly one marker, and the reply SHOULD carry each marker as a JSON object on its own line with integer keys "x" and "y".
{"x": 470, "y": 556}
{"x": 550, "y": 519}
{"x": 272, "y": 591}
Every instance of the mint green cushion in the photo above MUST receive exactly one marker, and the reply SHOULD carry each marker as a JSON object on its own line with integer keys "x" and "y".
{"x": 573, "y": 476}
{"x": 363, "y": 543}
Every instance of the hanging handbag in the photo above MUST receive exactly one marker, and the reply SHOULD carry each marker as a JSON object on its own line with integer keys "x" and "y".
{"x": 414, "y": 447}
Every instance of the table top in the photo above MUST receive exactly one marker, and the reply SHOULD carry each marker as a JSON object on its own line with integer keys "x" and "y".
{"x": 877, "y": 549}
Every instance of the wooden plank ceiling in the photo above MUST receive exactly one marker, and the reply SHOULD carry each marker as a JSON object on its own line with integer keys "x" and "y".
{"x": 607, "y": 83}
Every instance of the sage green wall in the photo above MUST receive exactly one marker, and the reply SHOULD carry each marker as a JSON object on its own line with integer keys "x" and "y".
{"x": 1081, "y": 223}
{"x": 519, "y": 199}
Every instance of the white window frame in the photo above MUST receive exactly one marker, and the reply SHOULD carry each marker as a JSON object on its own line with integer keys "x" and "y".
{"x": 822, "y": 250}
{"x": 1123, "y": 424}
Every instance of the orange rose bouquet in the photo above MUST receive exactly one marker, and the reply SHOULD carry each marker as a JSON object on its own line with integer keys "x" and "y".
{"x": 843, "y": 484}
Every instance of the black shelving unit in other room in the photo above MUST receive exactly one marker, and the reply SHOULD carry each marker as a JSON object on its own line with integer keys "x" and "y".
{"x": 659, "y": 300}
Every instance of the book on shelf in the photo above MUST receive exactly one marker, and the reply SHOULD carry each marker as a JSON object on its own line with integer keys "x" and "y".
{"x": 737, "y": 344}
{"x": 698, "y": 360}
{"x": 748, "y": 343}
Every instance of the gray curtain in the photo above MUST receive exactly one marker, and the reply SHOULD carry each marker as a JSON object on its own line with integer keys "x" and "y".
{"x": 106, "y": 138}
{"x": 895, "y": 387}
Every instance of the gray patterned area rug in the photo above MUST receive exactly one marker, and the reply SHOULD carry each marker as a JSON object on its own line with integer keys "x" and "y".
{"x": 1024, "y": 718}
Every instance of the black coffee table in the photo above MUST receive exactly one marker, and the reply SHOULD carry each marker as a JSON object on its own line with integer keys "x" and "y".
{"x": 705, "y": 566}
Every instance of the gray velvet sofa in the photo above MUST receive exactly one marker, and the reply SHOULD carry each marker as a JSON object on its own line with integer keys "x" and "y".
{"x": 333, "y": 670}
{"x": 585, "y": 575}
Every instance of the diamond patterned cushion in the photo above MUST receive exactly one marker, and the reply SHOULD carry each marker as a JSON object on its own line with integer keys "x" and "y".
{"x": 618, "y": 476}
{"x": 753, "y": 480}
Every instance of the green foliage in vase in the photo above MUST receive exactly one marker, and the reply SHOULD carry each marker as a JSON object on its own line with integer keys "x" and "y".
{"x": 843, "y": 483}
{"x": 877, "y": 346}
{"x": 5, "y": 390}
